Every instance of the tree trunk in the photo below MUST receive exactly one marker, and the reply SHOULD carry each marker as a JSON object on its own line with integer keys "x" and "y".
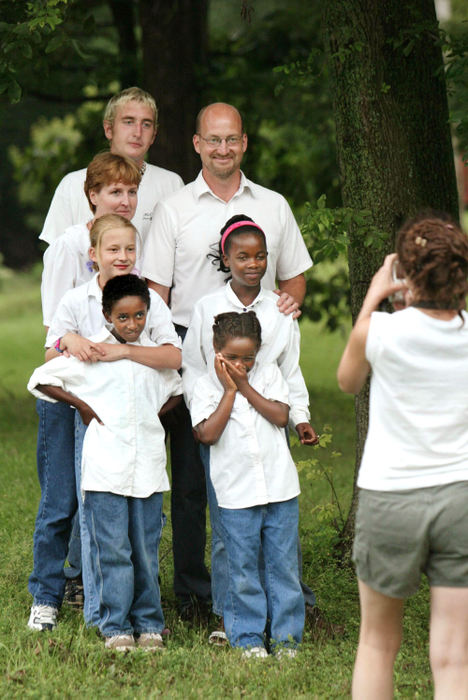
{"x": 393, "y": 138}
{"x": 123, "y": 12}
{"x": 174, "y": 39}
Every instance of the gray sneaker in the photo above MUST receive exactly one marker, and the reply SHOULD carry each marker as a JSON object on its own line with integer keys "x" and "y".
{"x": 120, "y": 642}
{"x": 42, "y": 618}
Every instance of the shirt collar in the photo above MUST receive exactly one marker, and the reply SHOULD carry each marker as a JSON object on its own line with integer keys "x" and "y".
{"x": 235, "y": 301}
{"x": 94, "y": 290}
{"x": 200, "y": 186}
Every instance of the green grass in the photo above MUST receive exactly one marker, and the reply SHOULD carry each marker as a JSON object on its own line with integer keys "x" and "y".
{"x": 71, "y": 662}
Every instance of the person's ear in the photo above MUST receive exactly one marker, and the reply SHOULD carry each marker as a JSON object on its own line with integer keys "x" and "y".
{"x": 107, "y": 126}
{"x": 225, "y": 260}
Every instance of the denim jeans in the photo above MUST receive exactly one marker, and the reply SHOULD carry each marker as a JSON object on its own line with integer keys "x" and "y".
{"x": 91, "y": 598}
{"x": 55, "y": 468}
{"x": 248, "y": 605}
{"x": 124, "y": 538}
{"x": 219, "y": 575}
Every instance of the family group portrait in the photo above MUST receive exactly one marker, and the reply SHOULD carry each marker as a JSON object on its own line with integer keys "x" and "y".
{"x": 234, "y": 349}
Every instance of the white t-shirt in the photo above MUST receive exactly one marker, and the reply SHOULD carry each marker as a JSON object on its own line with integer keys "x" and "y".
{"x": 69, "y": 204}
{"x": 250, "y": 464}
{"x": 66, "y": 265}
{"x": 126, "y": 455}
{"x": 187, "y": 224}
{"x": 80, "y": 311}
{"x": 280, "y": 344}
{"x": 418, "y": 413}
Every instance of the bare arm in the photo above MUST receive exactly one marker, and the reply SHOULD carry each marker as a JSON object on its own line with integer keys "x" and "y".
{"x": 354, "y": 367}
{"x": 210, "y": 430}
{"x": 161, "y": 289}
{"x": 157, "y": 357}
{"x": 171, "y": 403}
{"x": 295, "y": 288}
{"x": 55, "y": 392}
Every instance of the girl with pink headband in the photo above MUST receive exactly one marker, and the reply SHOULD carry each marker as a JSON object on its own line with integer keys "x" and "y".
{"x": 242, "y": 252}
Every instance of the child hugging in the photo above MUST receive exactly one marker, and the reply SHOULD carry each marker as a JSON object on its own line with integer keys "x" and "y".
{"x": 240, "y": 408}
{"x": 123, "y": 465}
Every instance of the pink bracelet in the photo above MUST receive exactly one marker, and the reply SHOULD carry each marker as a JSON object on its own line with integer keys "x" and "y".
{"x": 57, "y": 345}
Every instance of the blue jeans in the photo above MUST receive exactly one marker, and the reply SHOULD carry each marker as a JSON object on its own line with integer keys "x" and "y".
{"x": 124, "y": 539}
{"x": 55, "y": 468}
{"x": 91, "y": 598}
{"x": 219, "y": 575}
{"x": 271, "y": 528}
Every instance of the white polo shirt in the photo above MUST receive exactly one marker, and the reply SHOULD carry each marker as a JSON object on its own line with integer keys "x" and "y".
{"x": 250, "y": 464}
{"x": 80, "y": 311}
{"x": 67, "y": 265}
{"x": 127, "y": 454}
{"x": 280, "y": 344}
{"x": 187, "y": 224}
{"x": 70, "y": 206}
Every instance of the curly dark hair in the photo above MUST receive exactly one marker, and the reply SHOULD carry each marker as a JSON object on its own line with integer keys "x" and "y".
{"x": 433, "y": 251}
{"x": 124, "y": 286}
{"x": 236, "y": 325}
{"x": 216, "y": 256}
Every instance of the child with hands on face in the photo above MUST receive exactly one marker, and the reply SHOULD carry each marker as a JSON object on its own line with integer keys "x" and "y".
{"x": 240, "y": 408}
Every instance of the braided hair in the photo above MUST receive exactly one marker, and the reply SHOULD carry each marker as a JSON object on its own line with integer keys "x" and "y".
{"x": 236, "y": 325}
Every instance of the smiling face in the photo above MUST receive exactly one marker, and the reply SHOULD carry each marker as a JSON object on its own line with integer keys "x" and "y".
{"x": 241, "y": 351}
{"x": 115, "y": 254}
{"x": 222, "y": 161}
{"x": 246, "y": 256}
{"x": 116, "y": 198}
{"x": 128, "y": 316}
{"x": 133, "y": 130}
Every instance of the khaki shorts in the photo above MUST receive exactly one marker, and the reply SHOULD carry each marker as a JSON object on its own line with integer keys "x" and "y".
{"x": 401, "y": 534}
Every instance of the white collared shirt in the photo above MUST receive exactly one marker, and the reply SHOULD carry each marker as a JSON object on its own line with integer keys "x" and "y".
{"x": 250, "y": 464}
{"x": 80, "y": 311}
{"x": 70, "y": 206}
{"x": 126, "y": 455}
{"x": 187, "y": 224}
{"x": 280, "y": 344}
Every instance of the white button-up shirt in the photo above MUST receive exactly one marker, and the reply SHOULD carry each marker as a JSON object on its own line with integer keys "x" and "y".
{"x": 280, "y": 344}
{"x": 80, "y": 311}
{"x": 127, "y": 454}
{"x": 70, "y": 206}
{"x": 186, "y": 226}
{"x": 250, "y": 464}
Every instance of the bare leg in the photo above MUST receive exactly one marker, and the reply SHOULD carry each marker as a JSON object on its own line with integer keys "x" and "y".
{"x": 449, "y": 642}
{"x": 379, "y": 642}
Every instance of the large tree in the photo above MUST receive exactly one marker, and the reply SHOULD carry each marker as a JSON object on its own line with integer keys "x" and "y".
{"x": 392, "y": 131}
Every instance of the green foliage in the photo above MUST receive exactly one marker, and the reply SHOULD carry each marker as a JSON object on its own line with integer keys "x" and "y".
{"x": 326, "y": 232}
{"x": 56, "y": 147}
{"x": 29, "y": 31}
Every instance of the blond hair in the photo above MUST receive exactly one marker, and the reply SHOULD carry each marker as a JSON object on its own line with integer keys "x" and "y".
{"x": 107, "y": 168}
{"x": 134, "y": 94}
{"x": 106, "y": 223}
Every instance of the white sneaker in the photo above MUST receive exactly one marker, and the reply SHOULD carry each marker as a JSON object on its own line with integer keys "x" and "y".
{"x": 150, "y": 641}
{"x": 255, "y": 653}
{"x": 43, "y": 617}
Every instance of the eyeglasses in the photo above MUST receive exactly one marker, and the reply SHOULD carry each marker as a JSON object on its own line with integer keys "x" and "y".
{"x": 216, "y": 141}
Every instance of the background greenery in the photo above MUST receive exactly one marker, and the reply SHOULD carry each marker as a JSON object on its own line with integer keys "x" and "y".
{"x": 72, "y": 662}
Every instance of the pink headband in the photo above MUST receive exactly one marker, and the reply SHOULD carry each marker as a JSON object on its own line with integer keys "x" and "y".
{"x": 233, "y": 227}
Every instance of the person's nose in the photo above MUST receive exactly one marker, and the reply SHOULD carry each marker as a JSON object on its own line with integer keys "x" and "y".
{"x": 223, "y": 147}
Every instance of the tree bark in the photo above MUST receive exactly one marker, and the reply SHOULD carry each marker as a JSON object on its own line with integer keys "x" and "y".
{"x": 393, "y": 138}
{"x": 174, "y": 40}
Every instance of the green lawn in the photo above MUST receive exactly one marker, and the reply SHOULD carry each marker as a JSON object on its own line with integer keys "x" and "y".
{"x": 71, "y": 662}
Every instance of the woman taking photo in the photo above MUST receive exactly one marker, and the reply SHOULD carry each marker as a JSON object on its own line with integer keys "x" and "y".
{"x": 413, "y": 479}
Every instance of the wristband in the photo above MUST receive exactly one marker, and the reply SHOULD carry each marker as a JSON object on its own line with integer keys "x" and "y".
{"x": 57, "y": 345}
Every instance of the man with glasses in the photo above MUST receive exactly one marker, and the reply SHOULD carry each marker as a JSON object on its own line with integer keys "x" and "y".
{"x": 185, "y": 226}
